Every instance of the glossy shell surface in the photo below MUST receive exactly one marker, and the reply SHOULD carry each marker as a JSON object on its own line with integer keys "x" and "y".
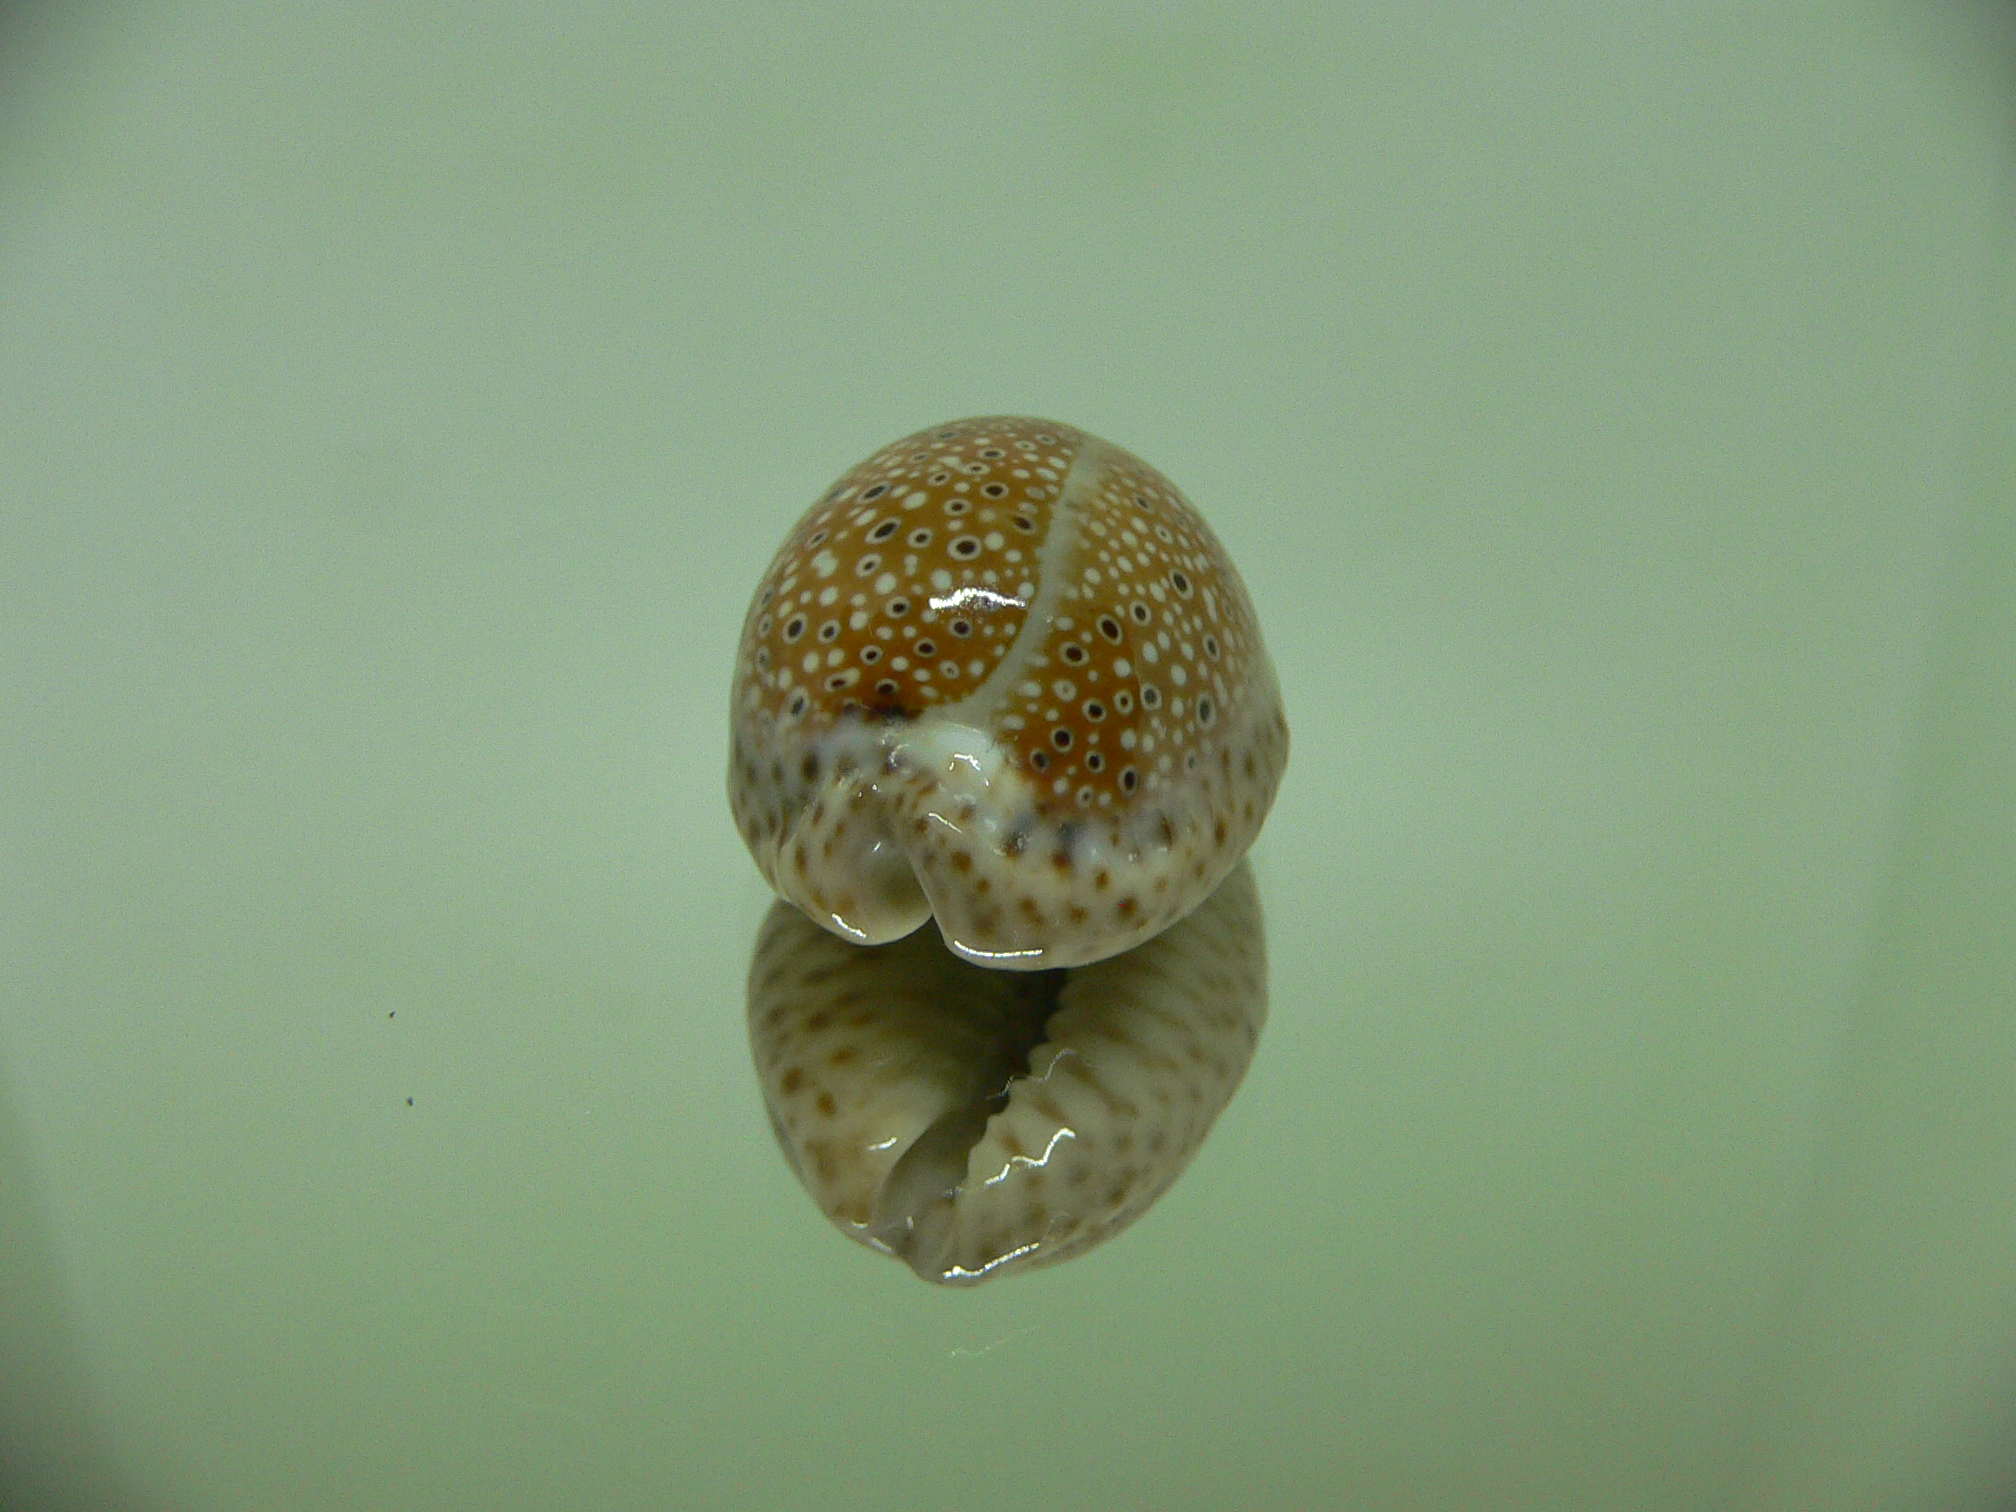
{"x": 1002, "y": 673}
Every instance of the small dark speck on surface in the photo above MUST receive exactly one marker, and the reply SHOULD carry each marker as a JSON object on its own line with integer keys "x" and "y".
{"x": 409, "y": 1102}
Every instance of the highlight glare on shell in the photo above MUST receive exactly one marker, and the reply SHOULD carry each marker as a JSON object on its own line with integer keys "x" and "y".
{"x": 974, "y": 1123}
{"x": 1003, "y": 674}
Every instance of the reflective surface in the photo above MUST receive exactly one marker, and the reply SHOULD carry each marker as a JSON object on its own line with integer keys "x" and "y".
{"x": 1609, "y": 416}
{"x": 974, "y": 1122}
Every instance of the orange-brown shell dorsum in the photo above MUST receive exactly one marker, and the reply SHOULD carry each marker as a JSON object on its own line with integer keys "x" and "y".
{"x": 1002, "y": 674}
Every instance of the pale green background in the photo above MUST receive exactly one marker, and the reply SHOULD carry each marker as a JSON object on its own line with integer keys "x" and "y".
{"x": 1611, "y": 411}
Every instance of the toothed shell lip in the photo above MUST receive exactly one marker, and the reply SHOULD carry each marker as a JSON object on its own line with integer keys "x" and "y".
{"x": 1030, "y": 701}
{"x": 976, "y": 1123}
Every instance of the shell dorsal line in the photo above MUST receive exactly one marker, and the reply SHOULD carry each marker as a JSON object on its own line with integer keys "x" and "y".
{"x": 979, "y": 707}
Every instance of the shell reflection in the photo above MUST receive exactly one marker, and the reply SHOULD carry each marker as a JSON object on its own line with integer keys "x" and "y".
{"x": 975, "y": 1122}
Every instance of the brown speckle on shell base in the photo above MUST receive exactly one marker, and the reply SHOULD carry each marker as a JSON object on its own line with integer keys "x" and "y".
{"x": 996, "y": 661}
{"x": 974, "y": 1123}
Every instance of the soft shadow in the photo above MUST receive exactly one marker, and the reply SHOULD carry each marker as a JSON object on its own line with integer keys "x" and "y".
{"x": 51, "y": 1455}
{"x": 1893, "y": 1363}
